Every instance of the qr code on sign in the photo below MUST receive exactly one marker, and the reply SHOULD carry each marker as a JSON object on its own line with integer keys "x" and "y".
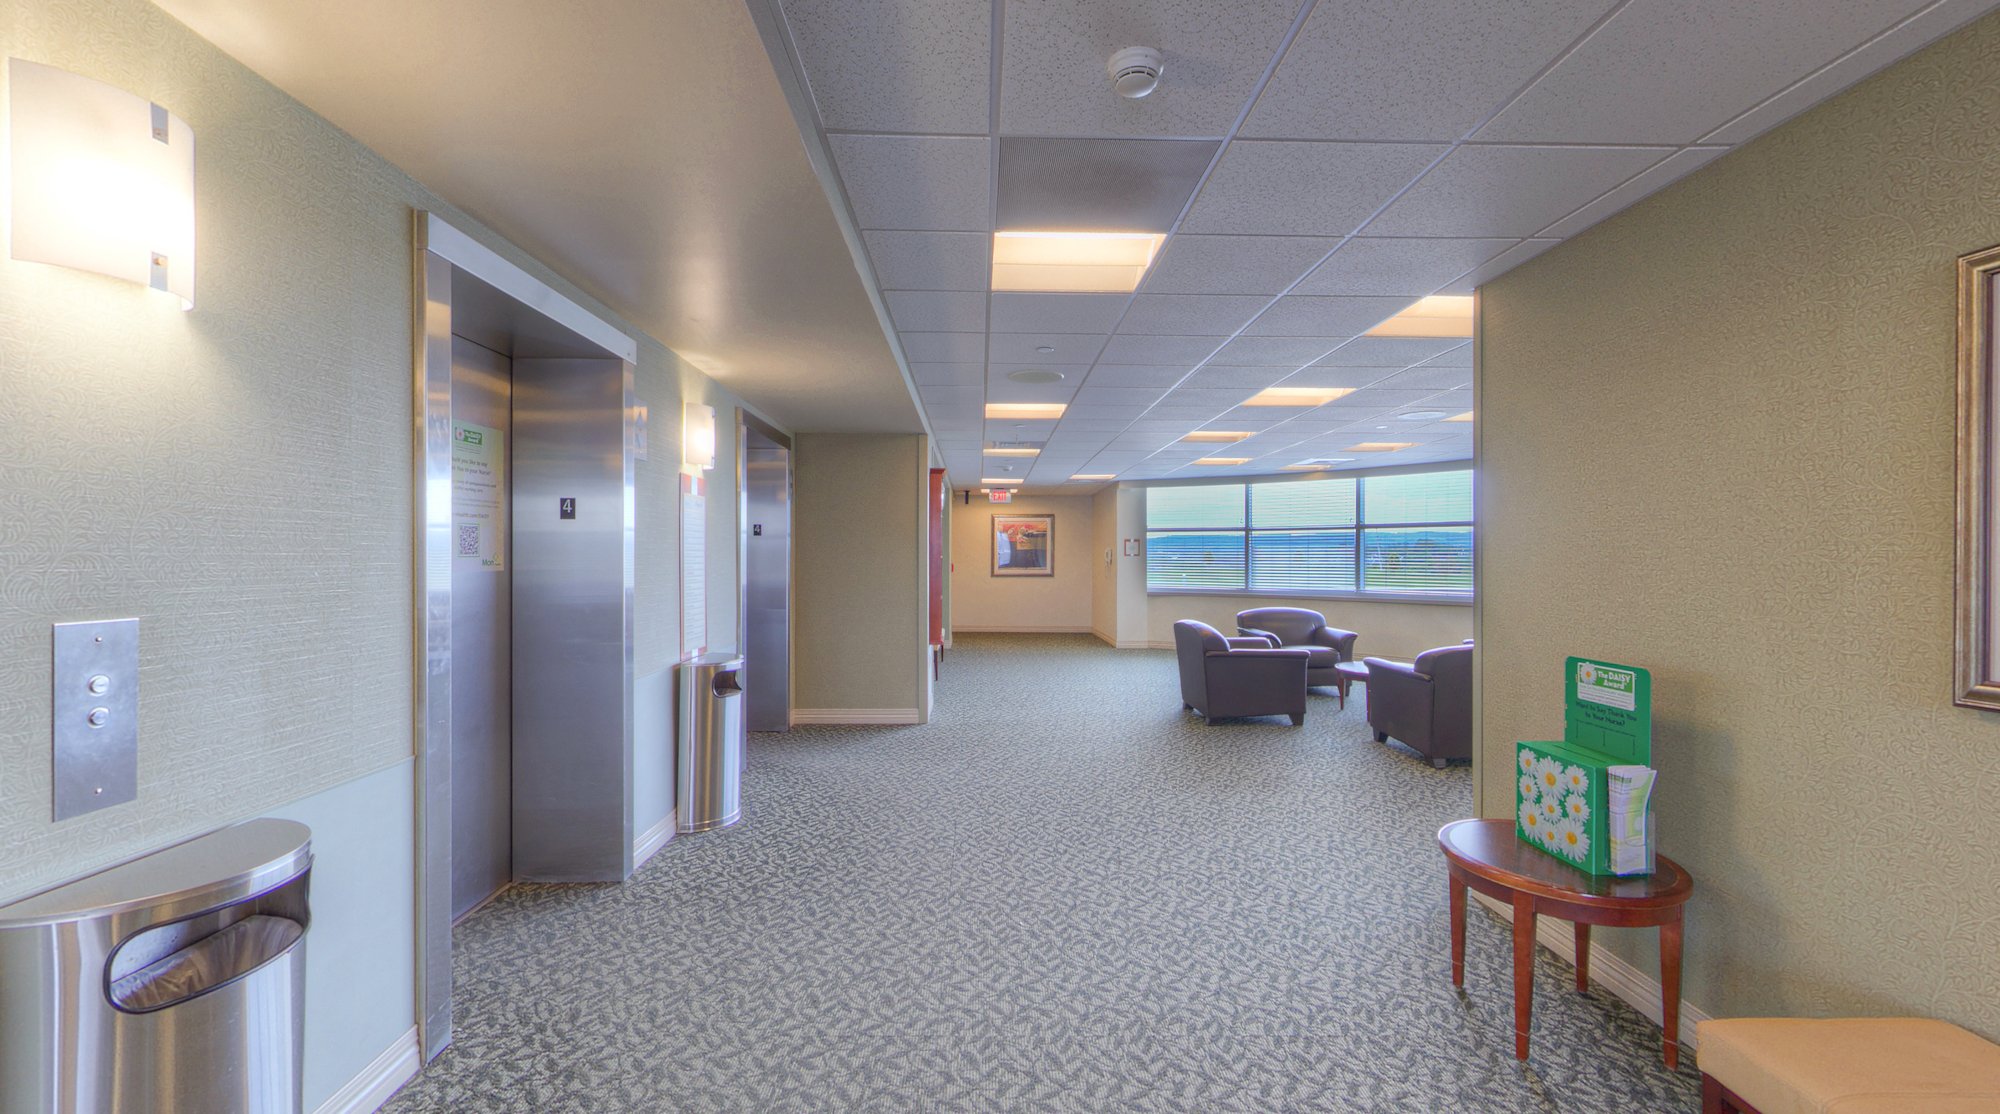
{"x": 468, "y": 539}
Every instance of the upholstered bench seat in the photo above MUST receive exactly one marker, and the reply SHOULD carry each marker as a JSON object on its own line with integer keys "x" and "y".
{"x": 1899, "y": 1065}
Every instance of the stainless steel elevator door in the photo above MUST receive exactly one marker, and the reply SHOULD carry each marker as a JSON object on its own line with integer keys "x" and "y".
{"x": 482, "y": 604}
{"x": 767, "y": 584}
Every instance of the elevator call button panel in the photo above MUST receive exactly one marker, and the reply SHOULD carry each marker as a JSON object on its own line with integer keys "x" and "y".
{"x": 96, "y": 736}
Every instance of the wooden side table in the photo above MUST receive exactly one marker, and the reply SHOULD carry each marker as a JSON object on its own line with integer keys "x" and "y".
{"x": 1351, "y": 673}
{"x": 1485, "y": 855}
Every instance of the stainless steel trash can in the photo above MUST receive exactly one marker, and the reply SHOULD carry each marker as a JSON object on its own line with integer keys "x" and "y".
{"x": 175, "y": 982}
{"x": 710, "y": 743}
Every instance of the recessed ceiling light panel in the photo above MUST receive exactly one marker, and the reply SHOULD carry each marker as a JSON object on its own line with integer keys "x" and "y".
{"x": 1380, "y": 446}
{"x": 1216, "y": 436}
{"x": 1440, "y": 315}
{"x": 1026, "y": 411}
{"x": 1082, "y": 477}
{"x": 1297, "y": 396}
{"x": 1465, "y": 417}
{"x": 1073, "y": 262}
{"x": 1013, "y": 452}
{"x": 1223, "y": 461}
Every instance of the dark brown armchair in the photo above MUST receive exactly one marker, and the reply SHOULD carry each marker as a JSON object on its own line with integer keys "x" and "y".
{"x": 1426, "y": 705}
{"x": 1225, "y": 677}
{"x": 1297, "y": 627}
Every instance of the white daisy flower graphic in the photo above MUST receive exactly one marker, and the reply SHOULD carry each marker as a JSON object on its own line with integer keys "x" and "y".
{"x": 1548, "y": 775}
{"x": 1551, "y": 810}
{"x": 1529, "y": 790}
{"x": 1571, "y": 840}
{"x": 1578, "y": 809}
{"x": 1548, "y": 832}
{"x": 1574, "y": 780}
{"x": 1531, "y": 818}
{"x": 1527, "y": 759}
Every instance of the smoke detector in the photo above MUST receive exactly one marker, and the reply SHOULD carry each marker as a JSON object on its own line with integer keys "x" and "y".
{"x": 1135, "y": 71}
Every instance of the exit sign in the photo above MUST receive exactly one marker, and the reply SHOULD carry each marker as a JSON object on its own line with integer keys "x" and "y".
{"x": 1000, "y": 494}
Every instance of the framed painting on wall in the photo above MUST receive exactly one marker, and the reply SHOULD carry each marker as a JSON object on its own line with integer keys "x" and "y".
{"x": 1023, "y": 545}
{"x": 1976, "y": 647}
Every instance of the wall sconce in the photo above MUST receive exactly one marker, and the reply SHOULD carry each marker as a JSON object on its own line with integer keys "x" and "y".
{"x": 102, "y": 180}
{"x": 698, "y": 436}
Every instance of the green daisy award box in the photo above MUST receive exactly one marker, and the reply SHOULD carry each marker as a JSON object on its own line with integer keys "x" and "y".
{"x": 1587, "y": 799}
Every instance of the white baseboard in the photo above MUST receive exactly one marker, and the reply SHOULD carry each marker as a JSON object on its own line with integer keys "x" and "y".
{"x": 366, "y": 1092}
{"x": 1633, "y": 986}
{"x": 882, "y": 716}
{"x": 1021, "y": 630}
{"x": 652, "y": 839}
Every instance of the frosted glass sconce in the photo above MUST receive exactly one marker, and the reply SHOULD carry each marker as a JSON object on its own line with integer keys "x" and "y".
{"x": 102, "y": 180}
{"x": 698, "y": 436}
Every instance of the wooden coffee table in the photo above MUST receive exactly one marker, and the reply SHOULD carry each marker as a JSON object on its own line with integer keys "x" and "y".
{"x": 1351, "y": 673}
{"x": 1486, "y": 856}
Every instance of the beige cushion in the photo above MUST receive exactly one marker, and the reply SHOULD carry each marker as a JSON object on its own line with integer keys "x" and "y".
{"x": 1852, "y": 1065}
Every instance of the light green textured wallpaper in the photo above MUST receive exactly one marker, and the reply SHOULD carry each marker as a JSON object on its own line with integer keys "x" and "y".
{"x": 239, "y": 477}
{"x": 1717, "y": 442}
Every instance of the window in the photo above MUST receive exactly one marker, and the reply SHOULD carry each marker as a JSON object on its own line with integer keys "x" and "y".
{"x": 1408, "y": 534}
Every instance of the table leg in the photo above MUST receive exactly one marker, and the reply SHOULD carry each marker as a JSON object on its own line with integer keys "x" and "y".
{"x": 1670, "y": 988}
{"x": 1582, "y": 958}
{"x": 1457, "y": 928}
{"x": 1341, "y": 684}
{"x": 1524, "y": 970}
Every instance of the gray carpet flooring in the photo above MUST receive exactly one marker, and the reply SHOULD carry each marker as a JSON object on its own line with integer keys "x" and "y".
{"x": 1062, "y": 894}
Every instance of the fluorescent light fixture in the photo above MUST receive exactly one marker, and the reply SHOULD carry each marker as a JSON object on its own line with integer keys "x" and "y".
{"x": 999, "y": 483}
{"x": 1043, "y": 411}
{"x": 1465, "y": 417}
{"x": 1073, "y": 262}
{"x": 698, "y": 436}
{"x": 1087, "y": 477}
{"x": 1440, "y": 315}
{"x": 1297, "y": 396}
{"x": 1420, "y": 416}
{"x": 1380, "y": 446}
{"x": 1013, "y": 452}
{"x": 102, "y": 180}
{"x": 1217, "y": 436}
{"x": 1223, "y": 461}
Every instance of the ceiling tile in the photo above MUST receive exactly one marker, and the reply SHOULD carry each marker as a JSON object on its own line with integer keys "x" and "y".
{"x": 949, "y": 395}
{"x": 915, "y": 182}
{"x": 1206, "y": 314}
{"x": 1158, "y": 349}
{"x": 1671, "y": 71}
{"x": 1676, "y": 166}
{"x": 1456, "y": 357}
{"x": 907, "y": 66}
{"x": 1276, "y": 351}
{"x": 1053, "y": 80}
{"x": 1918, "y": 31}
{"x": 959, "y": 375}
{"x": 944, "y": 347}
{"x": 1138, "y": 375}
{"x": 1388, "y": 351}
{"x": 1304, "y": 189}
{"x": 1229, "y": 375}
{"x": 1428, "y": 379}
{"x": 1419, "y": 69}
{"x": 932, "y": 311}
{"x": 1093, "y": 395}
{"x": 1317, "y": 316}
{"x": 1006, "y": 390}
{"x": 1508, "y": 260}
{"x": 1392, "y": 265}
{"x": 1026, "y": 348}
{"x": 1057, "y": 313}
{"x": 1193, "y": 264}
{"x": 1107, "y": 425}
{"x": 1125, "y": 185}
{"x": 1339, "y": 376}
{"x": 930, "y": 260}
{"x": 1376, "y": 400}
{"x": 1509, "y": 191}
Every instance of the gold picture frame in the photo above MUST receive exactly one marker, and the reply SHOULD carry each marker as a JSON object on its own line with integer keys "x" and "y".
{"x": 1024, "y": 545}
{"x": 1976, "y": 649}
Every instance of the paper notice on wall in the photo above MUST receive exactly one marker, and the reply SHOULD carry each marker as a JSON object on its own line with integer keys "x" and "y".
{"x": 694, "y": 567}
{"x": 479, "y": 495}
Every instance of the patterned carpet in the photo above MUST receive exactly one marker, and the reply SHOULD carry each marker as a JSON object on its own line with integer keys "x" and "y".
{"x": 1062, "y": 894}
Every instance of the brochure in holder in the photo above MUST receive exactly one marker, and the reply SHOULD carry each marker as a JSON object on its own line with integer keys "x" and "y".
{"x": 1587, "y": 800}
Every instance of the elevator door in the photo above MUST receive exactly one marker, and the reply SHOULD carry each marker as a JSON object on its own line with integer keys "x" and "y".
{"x": 767, "y": 584}
{"x": 481, "y": 624}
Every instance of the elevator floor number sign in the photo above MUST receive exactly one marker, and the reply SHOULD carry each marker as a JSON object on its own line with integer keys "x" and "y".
{"x": 478, "y": 495}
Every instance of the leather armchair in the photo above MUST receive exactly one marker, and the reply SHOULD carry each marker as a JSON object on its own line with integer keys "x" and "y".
{"x": 1426, "y": 705}
{"x": 1224, "y": 677}
{"x": 1296, "y": 626}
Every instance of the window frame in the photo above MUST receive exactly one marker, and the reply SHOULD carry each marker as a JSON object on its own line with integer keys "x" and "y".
{"x": 1359, "y": 530}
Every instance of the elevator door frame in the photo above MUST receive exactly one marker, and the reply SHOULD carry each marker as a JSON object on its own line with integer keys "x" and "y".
{"x": 746, "y": 423}
{"x": 548, "y": 324}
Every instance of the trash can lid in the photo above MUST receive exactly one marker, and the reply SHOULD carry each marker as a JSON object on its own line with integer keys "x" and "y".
{"x": 233, "y": 863}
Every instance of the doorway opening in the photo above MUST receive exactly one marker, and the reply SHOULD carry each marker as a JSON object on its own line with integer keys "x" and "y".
{"x": 764, "y": 517}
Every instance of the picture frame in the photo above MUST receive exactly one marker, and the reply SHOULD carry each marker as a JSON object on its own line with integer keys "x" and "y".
{"x": 1976, "y": 645}
{"x": 1024, "y": 545}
